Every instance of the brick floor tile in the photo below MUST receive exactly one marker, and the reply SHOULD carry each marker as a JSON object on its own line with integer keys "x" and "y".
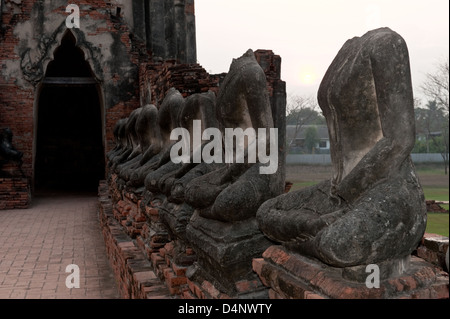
{"x": 38, "y": 243}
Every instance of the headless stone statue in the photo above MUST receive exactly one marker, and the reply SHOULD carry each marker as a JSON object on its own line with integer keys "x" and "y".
{"x": 149, "y": 141}
{"x": 223, "y": 230}
{"x": 373, "y": 208}
{"x": 131, "y": 142}
{"x": 119, "y": 138}
{"x": 148, "y": 132}
{"x": 134, "y": 143}
{"x": 201, "y": 107}
{"x": 170, "y": 179}
{"x": 234, "y": 192}
{"x": 168, "y": 117}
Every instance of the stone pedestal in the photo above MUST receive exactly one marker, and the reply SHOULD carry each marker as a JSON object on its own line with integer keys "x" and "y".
{"x": 290, "y": 275}
{"x": 224, "y": 256}
{"x": 153, "y": 235}
{"x": 176, "y": 217}
{"x": 15, "y": 193}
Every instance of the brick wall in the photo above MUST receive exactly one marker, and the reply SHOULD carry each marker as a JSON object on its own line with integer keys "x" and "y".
{"x": 157, "y": 78}
{"x": 132, "y": 270}
{"x": 15, "y": 193}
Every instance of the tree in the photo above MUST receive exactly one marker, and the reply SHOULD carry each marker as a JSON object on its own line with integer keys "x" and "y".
{"x": 311, "y": 138}
{"x": 436, "y": 88}
{"x": 302, "y": 111}
{"x": 433, "y": 126}
{"x": 429, "y": 122}
{"x": 436, "y": 85}
{"x": 445, "y": 141}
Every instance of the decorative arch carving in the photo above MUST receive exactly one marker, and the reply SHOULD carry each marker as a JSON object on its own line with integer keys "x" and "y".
{"x": 34, "y": 62}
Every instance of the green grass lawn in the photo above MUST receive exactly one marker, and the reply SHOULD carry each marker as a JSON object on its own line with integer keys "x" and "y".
{"x": 436, "y": 193}
{"x": 437, "y": 223}
{"x": 300, "y": 185}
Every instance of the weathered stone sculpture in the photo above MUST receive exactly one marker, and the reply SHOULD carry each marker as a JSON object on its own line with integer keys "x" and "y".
{"x": 223, "y": 228}
{"x": 119, "y": 138}
{"x": 198, "y": 107}
{"x": 235, "y": 191}
{"x": 373, "y": 209}
{"x": 8, "y": 153}
{"x": 173, "y": 178}
{"x": 149, "y": 141}
{"x": 168, "y": 117}
{"x": 131, "y": 142}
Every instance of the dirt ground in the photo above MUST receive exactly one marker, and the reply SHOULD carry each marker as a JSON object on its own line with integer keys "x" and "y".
{"x": 433, "y": 180}
{"x": 431, "y": 176}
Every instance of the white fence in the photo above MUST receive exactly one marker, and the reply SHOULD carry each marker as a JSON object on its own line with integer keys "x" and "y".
{"x": 325, "y": 159}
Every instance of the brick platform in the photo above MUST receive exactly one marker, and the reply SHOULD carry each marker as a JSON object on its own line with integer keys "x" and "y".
{"x": 14, "y": 193}
{"x": 132, "y": 270}
{"x": 433, "y": 249}
{"x": 150, "y": 263}
{"x": 295, "y": 277}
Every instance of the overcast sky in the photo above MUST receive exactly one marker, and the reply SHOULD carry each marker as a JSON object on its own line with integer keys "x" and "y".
{"x": 308, "y": 34}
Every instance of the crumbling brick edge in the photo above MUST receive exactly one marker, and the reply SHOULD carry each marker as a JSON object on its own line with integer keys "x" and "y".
{"x": 133, "y": 272}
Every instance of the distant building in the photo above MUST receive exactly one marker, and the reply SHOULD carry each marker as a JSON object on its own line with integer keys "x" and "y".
{"x": 427, "y": 136}
{"x": 297, "y": 141}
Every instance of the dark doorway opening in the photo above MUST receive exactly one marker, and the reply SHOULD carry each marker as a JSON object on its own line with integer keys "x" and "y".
{"x": 70, "y": 152}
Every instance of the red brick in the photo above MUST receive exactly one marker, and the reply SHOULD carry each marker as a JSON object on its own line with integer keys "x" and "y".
{"x": 311, "y": 295}
{"x": 247, "y": 285}
{"x": 179, "y": 270}
{"x": 172, "y": 279}
{"x": 210, "y": 289}
{"x": 276, "y": 254}
{"x": 274, "y": 295}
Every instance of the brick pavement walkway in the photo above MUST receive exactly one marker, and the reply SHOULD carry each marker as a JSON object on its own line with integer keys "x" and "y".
{"x": 38, "y": 243}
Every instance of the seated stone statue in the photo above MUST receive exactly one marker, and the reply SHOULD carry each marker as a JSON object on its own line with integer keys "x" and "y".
{"x": 173, "y": 211}
{"x": 119, "y": 139}
{"x": 168, "y": 118}
{"x": 234, "y": 192}
{"x": 373, "y": 208}
{"x": 131, "y": 146}
{"x": 149, "y": 141}
{"x": 7, "y": 151}
{"x": 223, "y": 229}
{"x": 201, "y": 107}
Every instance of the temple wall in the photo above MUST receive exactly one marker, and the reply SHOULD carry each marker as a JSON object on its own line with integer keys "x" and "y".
{"x": 31, "y": 31}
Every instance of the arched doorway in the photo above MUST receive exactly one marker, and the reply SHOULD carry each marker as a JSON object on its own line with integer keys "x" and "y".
{"x": 69, "y": 145}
